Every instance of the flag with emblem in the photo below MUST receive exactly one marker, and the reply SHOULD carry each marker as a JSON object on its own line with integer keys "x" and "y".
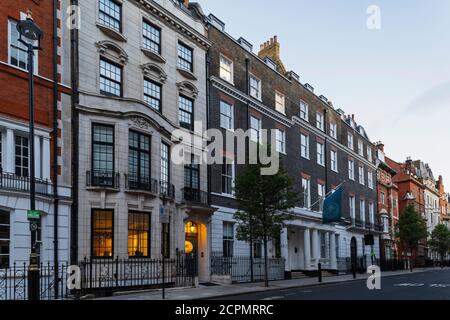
{"x": 332, "y": 206}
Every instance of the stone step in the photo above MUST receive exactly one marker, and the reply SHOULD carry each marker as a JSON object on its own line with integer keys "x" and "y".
{"x": 298, "y": 275}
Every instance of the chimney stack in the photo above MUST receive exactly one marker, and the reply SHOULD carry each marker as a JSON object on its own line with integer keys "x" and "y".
{"x": 271, "y": 49}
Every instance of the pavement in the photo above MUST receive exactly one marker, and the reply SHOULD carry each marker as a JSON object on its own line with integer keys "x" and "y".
{"x": 258, "y": 291}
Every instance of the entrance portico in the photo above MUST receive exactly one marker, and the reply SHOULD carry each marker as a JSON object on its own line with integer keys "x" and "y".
{"x": 305, "y": 246}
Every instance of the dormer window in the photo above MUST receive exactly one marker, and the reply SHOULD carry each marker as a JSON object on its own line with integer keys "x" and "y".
{"x": 110, "y": 14}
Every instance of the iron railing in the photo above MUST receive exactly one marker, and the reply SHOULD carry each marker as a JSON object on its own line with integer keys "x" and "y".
{"x": 239, "y": 268}
{"x": 195, "y": 195}
{"x": 13, "y": 182}
{"x": 141, "y": 183}
{"x": 103, "y": 178}
{"x": 14, "y": 282}
{"x": 109, "y": 275}
{"x": 167, "y": 189}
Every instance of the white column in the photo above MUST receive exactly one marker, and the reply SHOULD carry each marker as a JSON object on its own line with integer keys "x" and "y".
{"x": 307, "y": 248}
{"x": 46, "y": 158}
{"x": 10, "y": 152}
{"x": 333, "y": 259}
{"x": 285, "y": 248}
{"x": 315, "y": 246}
{"x": 37, "y": 157}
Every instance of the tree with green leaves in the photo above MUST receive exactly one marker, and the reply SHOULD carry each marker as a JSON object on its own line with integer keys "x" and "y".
{"x": 440, "y": 241}
{"x": 411, "y": 229}
{"x": 264, "y": 202}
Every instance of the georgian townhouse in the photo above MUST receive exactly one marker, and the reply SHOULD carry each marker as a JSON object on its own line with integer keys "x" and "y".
{"x": 52, "y": 103}
{"x": 321, "y": 147}
{"x": 141, "y": 76}
{"x": 387, "y": 205}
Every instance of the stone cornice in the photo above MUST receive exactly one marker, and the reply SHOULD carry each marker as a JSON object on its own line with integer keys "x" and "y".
{"x": 175, "y": 22}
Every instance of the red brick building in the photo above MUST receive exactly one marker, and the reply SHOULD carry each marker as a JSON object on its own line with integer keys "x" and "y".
{"x": 443, "y": 202}
{"x": 388, "y": 210}
{"x": 52, "y": 133}
{"x": 410, "y": 192}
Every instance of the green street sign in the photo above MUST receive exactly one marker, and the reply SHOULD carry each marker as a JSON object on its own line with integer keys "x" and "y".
{"x": 33, "y": 214}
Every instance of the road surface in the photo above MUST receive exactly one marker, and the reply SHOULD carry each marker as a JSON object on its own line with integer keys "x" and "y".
{"x": 429, "y": 285}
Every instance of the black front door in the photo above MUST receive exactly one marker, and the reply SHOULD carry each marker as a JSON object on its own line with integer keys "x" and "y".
{"x": 353, "y": 253}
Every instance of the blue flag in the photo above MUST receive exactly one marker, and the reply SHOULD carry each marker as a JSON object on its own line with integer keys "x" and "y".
{"x": 332, "y": 206}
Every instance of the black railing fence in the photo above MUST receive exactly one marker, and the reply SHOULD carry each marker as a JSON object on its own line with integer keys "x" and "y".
{"x": 123, "y": 274}
{"x": 142, "y": 183}
{"x": 195, "y": 195}
{"x": 10, "y": 181}
{"x": 239, "y": 268}
{"x": 103, "y": 178}
{"x": 14, "y": 282}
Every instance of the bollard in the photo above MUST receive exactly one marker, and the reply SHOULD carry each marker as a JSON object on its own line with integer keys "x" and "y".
{"x": 320, "y": 271}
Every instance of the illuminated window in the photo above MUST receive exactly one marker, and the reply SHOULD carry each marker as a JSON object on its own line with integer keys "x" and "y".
{"x": 102, "y": 233}
{"x": 138, "y": 234}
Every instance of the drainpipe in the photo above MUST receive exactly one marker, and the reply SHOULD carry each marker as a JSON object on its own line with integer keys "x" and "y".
{"x": 55, "y": 148}
{"x": 247, "y": 73}
{"x": 74, "y": 124}
{"x": 208, "y": 118}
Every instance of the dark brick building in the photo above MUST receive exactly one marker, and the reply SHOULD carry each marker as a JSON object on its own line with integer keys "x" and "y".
{"x": 320, "y": 146}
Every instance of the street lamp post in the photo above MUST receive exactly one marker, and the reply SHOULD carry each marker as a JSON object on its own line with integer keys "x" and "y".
{"x": 32, "y": 33}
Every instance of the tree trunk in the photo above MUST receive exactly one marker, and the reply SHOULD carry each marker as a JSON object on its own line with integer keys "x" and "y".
{"x": 266, "y": 267}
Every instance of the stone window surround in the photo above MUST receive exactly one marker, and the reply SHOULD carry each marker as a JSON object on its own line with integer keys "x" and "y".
{"x": 9, "y": 130}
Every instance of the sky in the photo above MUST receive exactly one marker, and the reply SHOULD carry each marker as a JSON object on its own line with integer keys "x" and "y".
{"x": 395, "y": 79}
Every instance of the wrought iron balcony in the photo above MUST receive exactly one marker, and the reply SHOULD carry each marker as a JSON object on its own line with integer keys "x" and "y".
{"x": 167, "y": 189}
{"x": 195, "y": 196}
{"x": 141, "y": 183}
{"x": 13, "y": 182}
{"x": 103, "y": 179}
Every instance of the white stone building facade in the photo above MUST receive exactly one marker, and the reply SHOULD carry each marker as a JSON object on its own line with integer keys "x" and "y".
{"x": 141, "y": 76}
